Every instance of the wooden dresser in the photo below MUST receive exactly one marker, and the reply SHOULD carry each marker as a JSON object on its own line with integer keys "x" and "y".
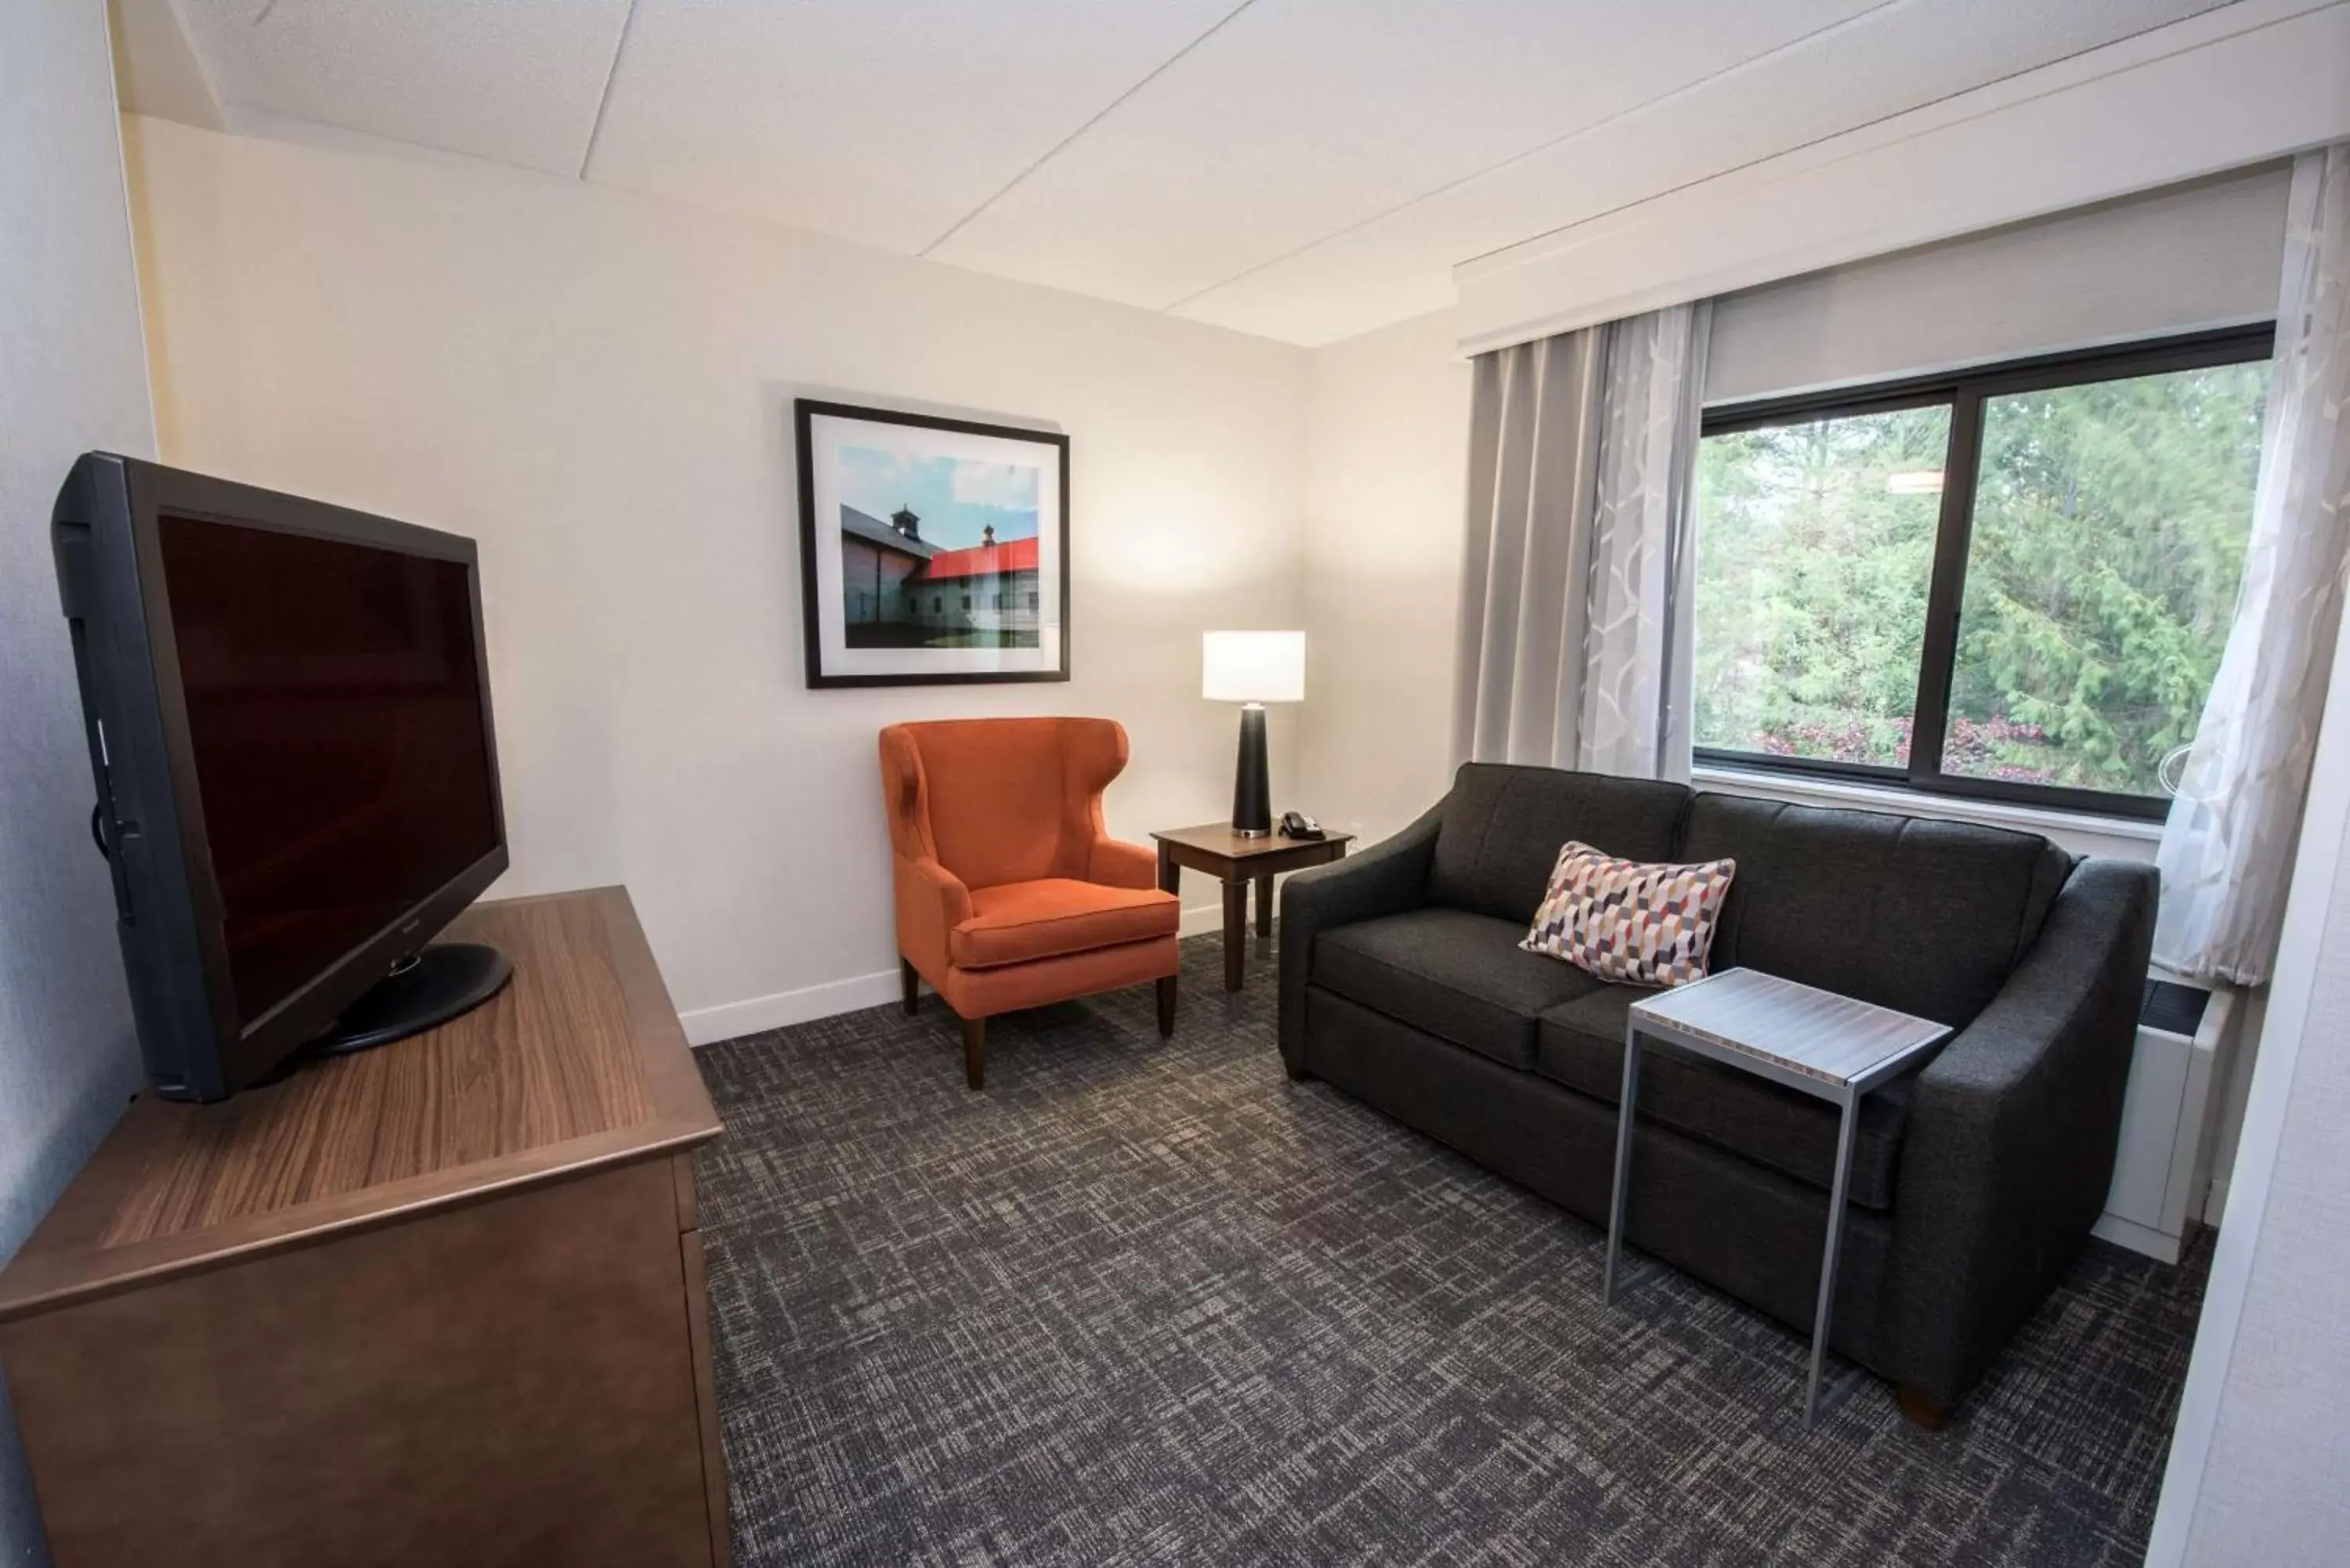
{"x": 437, "y": 1303}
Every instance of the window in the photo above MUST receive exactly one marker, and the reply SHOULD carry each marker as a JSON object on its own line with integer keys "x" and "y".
{"x": 2015, "y": 582}
{"x": 938, "y": 605}
{"x": 966, "y": 602}
{"x": 1031, "y": 598}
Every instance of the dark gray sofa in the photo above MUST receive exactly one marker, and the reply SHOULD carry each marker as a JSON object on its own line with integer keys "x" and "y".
{"x": 1975, "y": 1179}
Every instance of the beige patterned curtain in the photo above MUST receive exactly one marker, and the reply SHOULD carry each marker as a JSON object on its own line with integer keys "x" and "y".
{"x": 1575, "y": 624}
{"x": 2227, "y": 850}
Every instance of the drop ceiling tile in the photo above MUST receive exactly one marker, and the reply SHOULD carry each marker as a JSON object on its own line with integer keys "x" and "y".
{"x": 1301, "y": 168}
{"x": 1300, "y": 117}
{"x": 1892, "y": 60}
{"x": 514, "y": 80}
{"x": 880, "y": 122}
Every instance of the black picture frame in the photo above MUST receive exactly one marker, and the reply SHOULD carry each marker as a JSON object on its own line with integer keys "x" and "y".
{"x": 805, "y": 412}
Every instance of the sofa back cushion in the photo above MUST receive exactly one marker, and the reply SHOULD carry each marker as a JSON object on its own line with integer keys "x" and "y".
{"x": 1504, "y": 827}
{"x": 1908, "y": 912}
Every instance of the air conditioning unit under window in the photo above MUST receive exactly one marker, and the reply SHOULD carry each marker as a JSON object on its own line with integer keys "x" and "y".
{"x": 2187, "y": 1038}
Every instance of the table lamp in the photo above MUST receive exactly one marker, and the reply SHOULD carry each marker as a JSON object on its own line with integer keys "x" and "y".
{"x": 1253, "y": 668}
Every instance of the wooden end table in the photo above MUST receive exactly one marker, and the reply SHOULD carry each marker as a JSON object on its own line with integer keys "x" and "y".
{"x": 1827, "y": 1046}
{"x": 1214, "y": 848}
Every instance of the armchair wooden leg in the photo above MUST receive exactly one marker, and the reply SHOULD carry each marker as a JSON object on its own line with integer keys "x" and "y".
{"x": 1167, "y": 1008}
{"x": 912, "y": 983}
{"x": 1920, "y": 1409}
{"x": 974, "y": 1052}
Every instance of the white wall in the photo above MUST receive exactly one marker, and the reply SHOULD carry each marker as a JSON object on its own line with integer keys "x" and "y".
{"x": 598, "y": 388}
{"x": 2262, "y": 1443}
{"x": 72, "y": 377}
{"x": 1388, "y": 444}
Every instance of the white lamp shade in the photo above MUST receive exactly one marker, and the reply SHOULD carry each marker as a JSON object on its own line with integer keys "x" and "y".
{"x": 1252, "y": 666}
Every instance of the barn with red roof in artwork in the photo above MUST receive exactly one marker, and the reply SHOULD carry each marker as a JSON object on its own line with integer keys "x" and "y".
{"x": 902, "y": 591}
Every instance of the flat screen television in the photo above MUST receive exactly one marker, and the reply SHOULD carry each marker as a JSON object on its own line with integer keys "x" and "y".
{"x": 287, "y": 708}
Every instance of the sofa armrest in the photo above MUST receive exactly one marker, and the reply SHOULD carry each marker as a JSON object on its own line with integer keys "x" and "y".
{"x": 1386, "y": 879}
{"x": 1114, "y": 863}
{"x": 932, "y": 902}
{"x": 2009, "y": 1148}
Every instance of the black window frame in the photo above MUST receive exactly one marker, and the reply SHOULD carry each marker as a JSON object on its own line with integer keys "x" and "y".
{"x": 1964, "y": 392}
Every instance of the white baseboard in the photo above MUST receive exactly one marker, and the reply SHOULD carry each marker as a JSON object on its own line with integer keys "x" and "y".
{"x": 1201, "y": 920}
{"x": 2215, "y": 1201}
{"x": 731, "y": 1020}
{"x": 2138, "y": 1238}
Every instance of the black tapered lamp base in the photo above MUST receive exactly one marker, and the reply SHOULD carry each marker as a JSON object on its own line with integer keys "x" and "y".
{"x": 1252, "y": 794}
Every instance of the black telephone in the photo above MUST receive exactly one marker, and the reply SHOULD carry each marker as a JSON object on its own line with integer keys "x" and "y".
{"x": 1297, "y": 825}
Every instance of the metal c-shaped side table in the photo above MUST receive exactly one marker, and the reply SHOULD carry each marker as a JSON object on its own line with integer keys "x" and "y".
{"x": 1816, "y": 1041}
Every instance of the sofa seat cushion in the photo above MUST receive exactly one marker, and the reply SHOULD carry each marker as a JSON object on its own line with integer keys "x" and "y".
{"x": 1459, "y": 976}
{"x": 1581, "y": 1047}
{"x": 1015, "y": 922}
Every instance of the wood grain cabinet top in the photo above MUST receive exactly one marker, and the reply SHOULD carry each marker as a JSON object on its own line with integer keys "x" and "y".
{"x": 579, "y": 1064}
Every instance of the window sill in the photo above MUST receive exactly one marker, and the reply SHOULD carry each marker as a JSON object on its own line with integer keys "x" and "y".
{"x": 2059, "y": 826}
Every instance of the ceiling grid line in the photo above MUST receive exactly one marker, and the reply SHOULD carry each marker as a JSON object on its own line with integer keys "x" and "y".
{"x": 1067, "y": 141}
{"x": 1597, "y": 126}
{"x": 1826, "y": 137}
{"x": 604, "y": 99}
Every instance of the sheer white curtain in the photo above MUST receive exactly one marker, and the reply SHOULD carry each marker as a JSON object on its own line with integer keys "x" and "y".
{"x": 1574, "y": 616}
{"x": 2227, "y": 850}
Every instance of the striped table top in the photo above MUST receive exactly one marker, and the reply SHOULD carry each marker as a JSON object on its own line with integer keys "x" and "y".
{"x": 1799, "y": 1027}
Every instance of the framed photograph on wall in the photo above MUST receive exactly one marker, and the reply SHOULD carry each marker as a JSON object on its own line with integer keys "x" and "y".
{"x": 932, "y": 552}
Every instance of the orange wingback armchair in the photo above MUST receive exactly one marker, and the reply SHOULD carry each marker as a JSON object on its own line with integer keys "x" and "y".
{"x": 1010, "y": 892}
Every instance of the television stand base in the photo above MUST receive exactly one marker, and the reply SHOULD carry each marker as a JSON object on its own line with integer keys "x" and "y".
{"x": 443, "y": 980}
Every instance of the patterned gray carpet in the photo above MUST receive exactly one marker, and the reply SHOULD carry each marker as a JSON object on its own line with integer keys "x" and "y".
{"x": 1147, "y": 1302}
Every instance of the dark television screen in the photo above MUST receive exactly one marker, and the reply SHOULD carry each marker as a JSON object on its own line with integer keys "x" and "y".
{"x": 335, "y": 715}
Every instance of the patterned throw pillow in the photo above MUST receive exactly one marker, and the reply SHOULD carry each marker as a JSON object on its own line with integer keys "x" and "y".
{"x": 1629, "y": 920}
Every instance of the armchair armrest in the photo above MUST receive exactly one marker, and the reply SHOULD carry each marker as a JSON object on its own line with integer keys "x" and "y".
{"x": 1114, "y": 863}
{"x": 932, "y": 902}
{"x": 2009, "y": 1149}
{"x": 1385, "y": 879}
